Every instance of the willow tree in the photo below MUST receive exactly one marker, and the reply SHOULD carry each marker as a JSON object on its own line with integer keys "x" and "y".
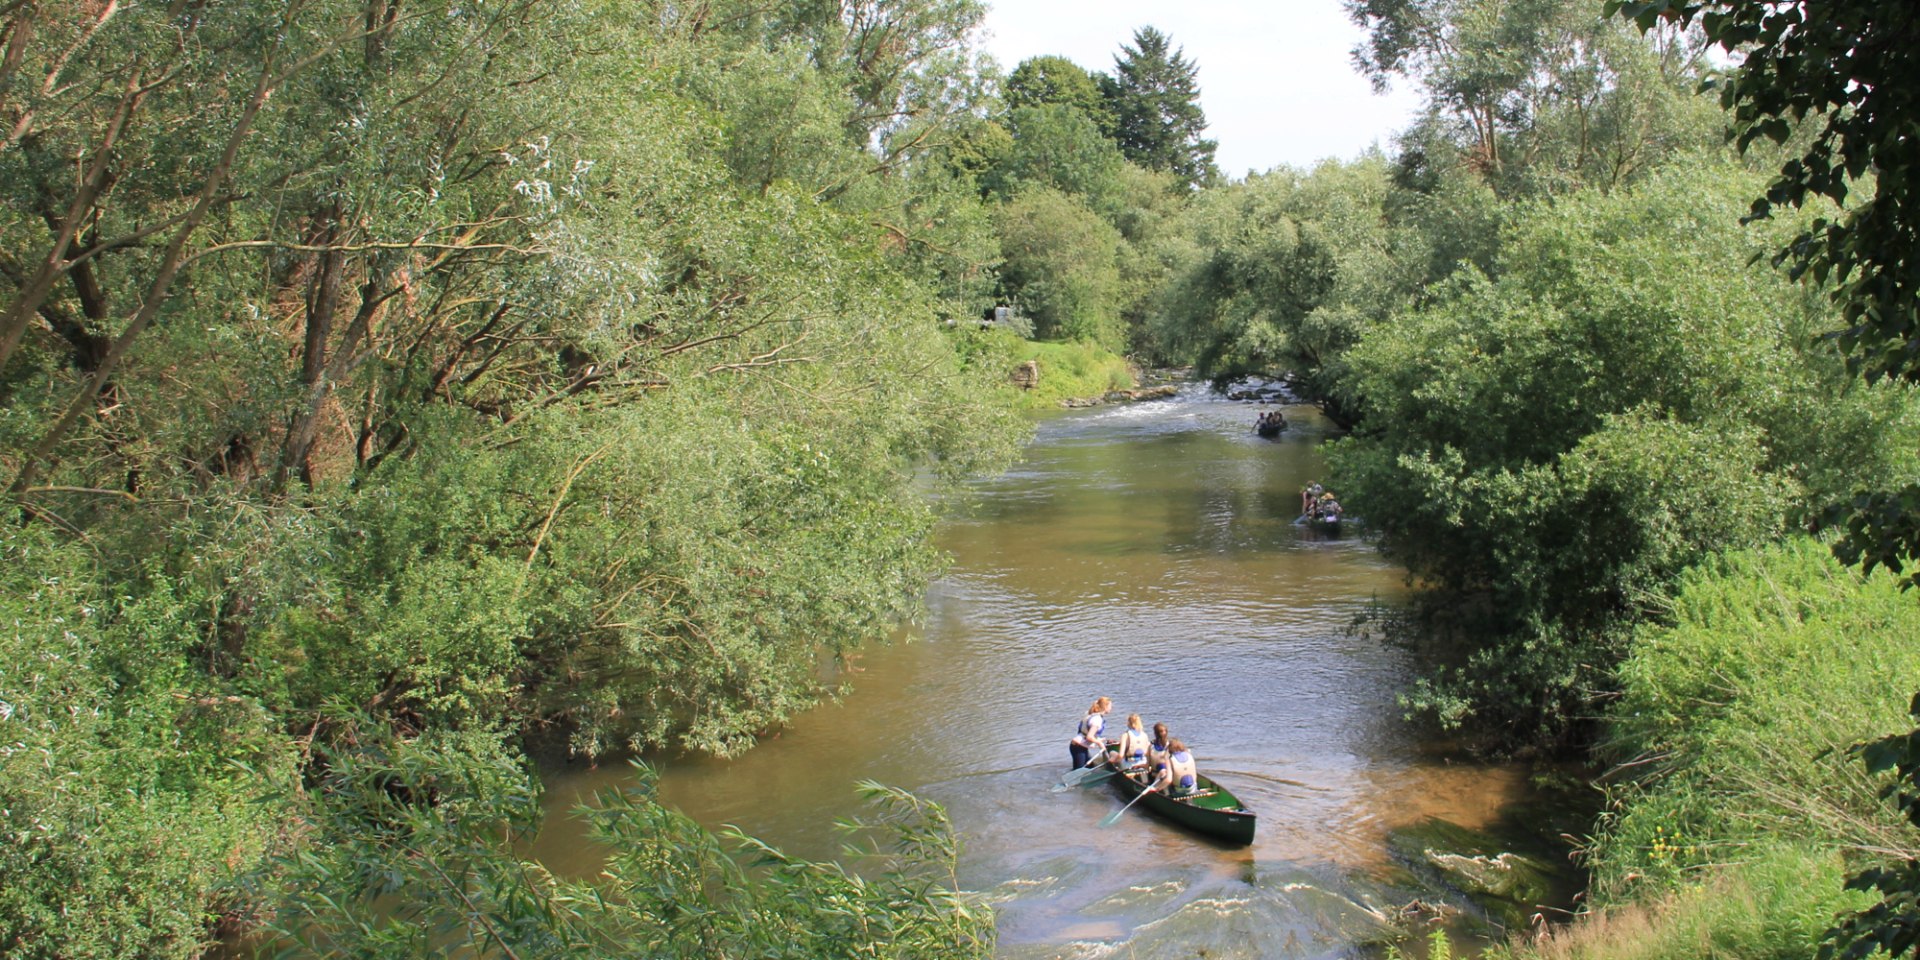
{"x": 1542, "y": 96}
{"x": 509, "y": 368}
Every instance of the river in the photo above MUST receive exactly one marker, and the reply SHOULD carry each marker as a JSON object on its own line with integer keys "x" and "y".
{"x": 1145, "y": 552}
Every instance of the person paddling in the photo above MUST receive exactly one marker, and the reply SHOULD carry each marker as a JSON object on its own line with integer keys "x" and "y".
{"x": 1087, "y": 740}
{"x": 1133, "y": 744}
{"x": 1157, "y": 750}
{"x": 1182, "y": 775}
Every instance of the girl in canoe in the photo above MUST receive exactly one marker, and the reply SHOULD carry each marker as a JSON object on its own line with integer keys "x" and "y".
{"x": 1182, "y": 776}
{"x": 1087, "y": 741}
{"x": 1133, "y": 744}
{"x": 1157, "y": 750}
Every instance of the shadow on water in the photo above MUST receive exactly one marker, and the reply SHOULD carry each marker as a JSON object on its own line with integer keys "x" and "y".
{"x": 1147, "y": 553}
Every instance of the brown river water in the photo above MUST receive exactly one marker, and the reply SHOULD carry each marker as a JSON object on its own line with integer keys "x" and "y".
{"x": 1146, "y": 552}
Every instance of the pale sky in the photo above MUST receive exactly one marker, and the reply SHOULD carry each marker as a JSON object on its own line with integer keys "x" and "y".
{"x": 1276, "y": 79}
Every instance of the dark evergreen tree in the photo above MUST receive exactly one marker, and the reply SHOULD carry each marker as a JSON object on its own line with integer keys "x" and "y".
{"x": 1156, "y": 108}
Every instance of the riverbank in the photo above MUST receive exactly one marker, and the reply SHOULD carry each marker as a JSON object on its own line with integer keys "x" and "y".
{"x": 1736, "y": 808}
{"x": 1069, "y": 374}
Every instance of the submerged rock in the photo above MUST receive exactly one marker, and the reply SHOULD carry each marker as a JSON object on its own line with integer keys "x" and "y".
{"x": 1161, "y": 392}
{"x": 1509, "y": 885}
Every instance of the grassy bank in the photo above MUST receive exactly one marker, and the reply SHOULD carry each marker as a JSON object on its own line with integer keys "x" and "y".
{"x": 1068, "y": 371}
{"x": 1072, "y": 371}
{"x": 1738, "y": 809}
{"x": 1774, "y": 905}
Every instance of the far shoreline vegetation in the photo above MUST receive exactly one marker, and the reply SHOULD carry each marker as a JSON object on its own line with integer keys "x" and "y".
{"x": 385, "y": 386}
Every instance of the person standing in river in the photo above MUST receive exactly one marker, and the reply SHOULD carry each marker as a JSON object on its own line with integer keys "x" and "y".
{"x": 1088, "y": 740}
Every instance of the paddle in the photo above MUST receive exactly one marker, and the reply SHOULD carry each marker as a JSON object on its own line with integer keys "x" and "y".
{"x": 1114, "y": 817}
{"x": 1086, "y": 774}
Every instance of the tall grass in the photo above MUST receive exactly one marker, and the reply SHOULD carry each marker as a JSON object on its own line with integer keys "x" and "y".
{"x": 1734, "y": 719}
{"x": 1072, "y": 371}
{"x": 1736, "y": 810}
{"x": 1774, "y": 906}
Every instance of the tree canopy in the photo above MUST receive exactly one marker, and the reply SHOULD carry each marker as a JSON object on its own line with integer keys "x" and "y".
{"x": 376, "y": 370}
{"x": 1155, "y": 95}
{"x": 1053, "y": 80}
{"x": 1834, "y": 80}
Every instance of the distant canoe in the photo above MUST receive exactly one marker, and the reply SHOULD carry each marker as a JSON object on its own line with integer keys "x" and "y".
{"x": 1329, "y": 524}
{"x": 1214, "y": 810}
{"x": 1270, "y": 428}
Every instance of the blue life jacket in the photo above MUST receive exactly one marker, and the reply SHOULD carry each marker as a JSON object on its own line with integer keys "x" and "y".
{"x": 1187, "y": 781}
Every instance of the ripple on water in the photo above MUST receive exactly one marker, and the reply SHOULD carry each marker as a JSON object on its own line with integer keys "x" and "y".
{"x": 1144, "y": 552}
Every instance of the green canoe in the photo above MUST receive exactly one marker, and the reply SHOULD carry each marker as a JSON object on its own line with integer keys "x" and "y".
{"x": 1212, "y": 810}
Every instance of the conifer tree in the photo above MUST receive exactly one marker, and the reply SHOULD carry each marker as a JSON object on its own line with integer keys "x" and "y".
{"x": 1156, "y": 107}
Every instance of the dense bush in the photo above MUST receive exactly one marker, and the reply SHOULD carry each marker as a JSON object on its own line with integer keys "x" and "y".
{"x": 134, "y": 788}
{"x": 1551, "y": 446}
{"x": 1734, "y": 717}
{"x": 1735, "y": 807}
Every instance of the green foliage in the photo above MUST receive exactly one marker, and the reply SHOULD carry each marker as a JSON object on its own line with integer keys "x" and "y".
{"x": 1735, "y": 806}
{"x": 436, "y": 818}
{"x": 1734, "y": 715}
{"x": 1058, "y": 147}
{"x": 567, "y": 367}
{"x": 1772, "y": 905}
{"x": 132, "y": 785}
{"x": 1841, "y": 65}
{"x": 1844, "y": 66}
{"x": 1449, "y": 220}
{"x": 1155, "y": 100}
{"x": 1558, "y": 442}
{"x": 1892, "y": 924}
{"x": 1538, "y": 97}
{"x": 1285, "y": 272}
{"x": 1047, "y": 81}
{"x": 1061, "y": 140}
{"x": 1061, "y": 267}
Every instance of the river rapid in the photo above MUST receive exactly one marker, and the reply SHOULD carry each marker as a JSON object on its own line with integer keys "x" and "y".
{"x": 1146, "y": 552}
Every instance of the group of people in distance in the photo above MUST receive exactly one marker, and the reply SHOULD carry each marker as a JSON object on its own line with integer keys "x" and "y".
{"x": 1270, "y": 421}
{"x": 1166, "y": 760}
{"x": 1317, "y": 503}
